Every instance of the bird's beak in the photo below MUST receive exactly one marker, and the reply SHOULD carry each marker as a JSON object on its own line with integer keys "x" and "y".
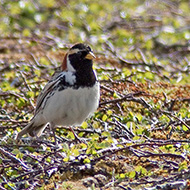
{"x": 90, "y": 56}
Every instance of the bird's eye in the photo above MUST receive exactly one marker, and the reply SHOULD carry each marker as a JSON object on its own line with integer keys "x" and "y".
{"x": 79, "y": 53}
{"x": 82, "y": 54}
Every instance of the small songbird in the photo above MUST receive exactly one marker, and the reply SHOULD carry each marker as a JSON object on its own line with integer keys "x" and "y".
{"x": 70, "y": 96}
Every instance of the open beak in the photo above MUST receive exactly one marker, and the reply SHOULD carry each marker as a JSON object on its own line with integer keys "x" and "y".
{"x": 90, "y": 56}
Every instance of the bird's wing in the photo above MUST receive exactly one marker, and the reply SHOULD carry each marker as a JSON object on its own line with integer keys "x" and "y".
{"x": 47, "y": 89}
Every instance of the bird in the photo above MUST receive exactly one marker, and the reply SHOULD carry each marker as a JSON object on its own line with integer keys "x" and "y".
{"x": 70, "y": 96}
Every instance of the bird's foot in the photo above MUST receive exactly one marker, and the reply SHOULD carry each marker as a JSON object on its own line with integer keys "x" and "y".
{"x": 77, "y": 138}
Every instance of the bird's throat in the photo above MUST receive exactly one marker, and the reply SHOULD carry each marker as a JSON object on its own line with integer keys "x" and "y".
{"x": 85, "y": 77}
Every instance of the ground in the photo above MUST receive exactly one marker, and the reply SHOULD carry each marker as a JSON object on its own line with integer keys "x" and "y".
{"x": 139, "y": 136}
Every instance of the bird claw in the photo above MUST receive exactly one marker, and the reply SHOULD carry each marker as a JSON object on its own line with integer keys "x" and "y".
{"x": 80, "y": 140}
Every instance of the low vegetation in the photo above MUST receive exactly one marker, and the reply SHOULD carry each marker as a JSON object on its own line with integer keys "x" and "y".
{"x": 139, "y": 136}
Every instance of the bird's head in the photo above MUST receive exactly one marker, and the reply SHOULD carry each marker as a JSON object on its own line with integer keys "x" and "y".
{"x": 80, "y": 55}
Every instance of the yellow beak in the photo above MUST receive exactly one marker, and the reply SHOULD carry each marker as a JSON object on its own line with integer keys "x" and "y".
{"x": 90, "y": 56}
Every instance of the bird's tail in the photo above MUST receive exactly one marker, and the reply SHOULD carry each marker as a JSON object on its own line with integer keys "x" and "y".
{"x": 32, "y": 130}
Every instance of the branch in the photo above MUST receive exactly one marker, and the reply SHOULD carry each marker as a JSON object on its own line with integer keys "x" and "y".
{"x": 12, "y": 157}
{"x": 128, "y": 97}
{"x": 170, "y": 114}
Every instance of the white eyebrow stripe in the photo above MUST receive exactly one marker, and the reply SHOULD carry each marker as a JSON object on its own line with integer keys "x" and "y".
{"x": 72, "y": 51}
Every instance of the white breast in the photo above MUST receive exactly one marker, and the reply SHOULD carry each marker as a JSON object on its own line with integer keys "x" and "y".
{"x": 71, "y": 106}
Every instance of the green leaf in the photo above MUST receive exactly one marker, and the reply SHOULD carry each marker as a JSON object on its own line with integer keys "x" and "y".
{"x": 131, "y": 174}
{"x": 84, "y": 125}
{"x": 26, "y": 32}
{"x": 139, "y": 131}
{"x": 105, "y": 134}
{"x": 17, "y": 153}
{"x": 184, "y": 128}
{"x": 75, "y": 152}
{"x": 149, "y": 75}
{"x": 122, "y": 175}
{"x": 95, "y": 136}
{"x": 183, "y": 165}
{"x": 136, "y": 138}
{"x": 109, "y": 112}
{"x": 86, "y": 160}
{"x": 48, "y": 159}
{"x": 49, "y": 3}
{"x": 139, "y": 117}
{"x": 104, "y": 117}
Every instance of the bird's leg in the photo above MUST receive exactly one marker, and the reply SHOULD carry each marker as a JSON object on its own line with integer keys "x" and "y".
{"x": 76, "y": 136}
{"x": 55, "y": 141}
{"x": 52, "y": 128}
